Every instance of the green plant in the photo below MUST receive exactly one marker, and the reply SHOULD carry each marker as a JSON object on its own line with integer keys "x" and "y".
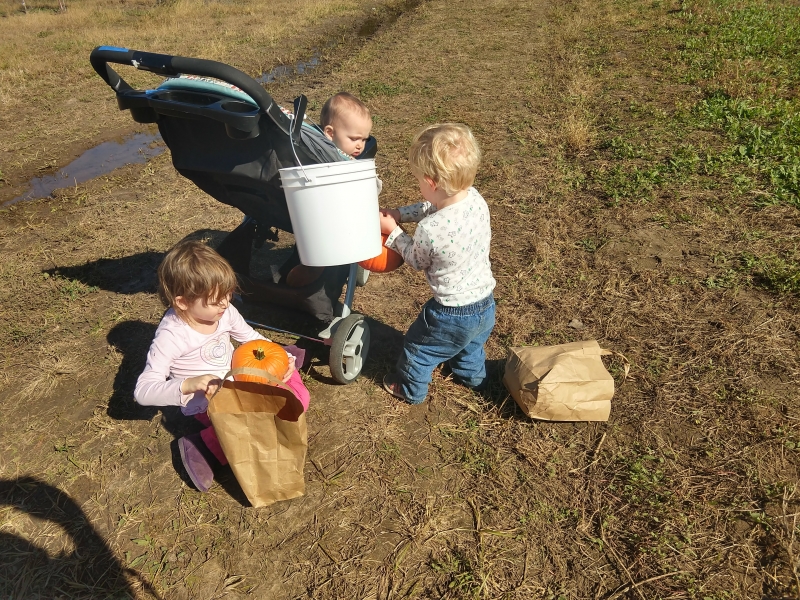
{"x": 591, "y": 244}
{"x": 72, "y": 289}
{"x": 726, "y": 279}
{"x": 460, "y": 573}
{"x": 632, "y": 183}
{"x": 622, "y": 148}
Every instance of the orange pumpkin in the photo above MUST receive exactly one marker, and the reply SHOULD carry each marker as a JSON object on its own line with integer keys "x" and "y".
{"x": 387, "y": 260}
{"x": 260, "y": 354}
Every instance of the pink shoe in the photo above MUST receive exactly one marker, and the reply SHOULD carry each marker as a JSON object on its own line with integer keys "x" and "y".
{"x": 198, "y": 467}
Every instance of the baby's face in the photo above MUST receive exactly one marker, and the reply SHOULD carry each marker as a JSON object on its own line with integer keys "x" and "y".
{"x": 349, "y": 132}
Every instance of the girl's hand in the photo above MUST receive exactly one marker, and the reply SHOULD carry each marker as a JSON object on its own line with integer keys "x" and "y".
{"x": 208, "y": 384}
{"x": 290, "y": 370}
{"x": 389, "y": 218}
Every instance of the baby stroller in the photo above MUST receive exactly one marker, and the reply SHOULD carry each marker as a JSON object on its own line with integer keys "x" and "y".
{"x": 228, "y": 136}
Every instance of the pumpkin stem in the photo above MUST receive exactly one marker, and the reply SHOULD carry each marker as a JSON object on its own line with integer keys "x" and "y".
{"x": 259, "y": 353}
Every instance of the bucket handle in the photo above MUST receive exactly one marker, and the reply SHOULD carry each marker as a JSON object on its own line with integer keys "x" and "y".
{"x": 300, "y": 104}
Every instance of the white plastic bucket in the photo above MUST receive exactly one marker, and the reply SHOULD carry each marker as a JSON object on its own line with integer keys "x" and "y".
{"x": 335, "y": 212}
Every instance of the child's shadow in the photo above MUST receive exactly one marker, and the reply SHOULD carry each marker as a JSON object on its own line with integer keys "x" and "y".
{"x": 132, "y": 339}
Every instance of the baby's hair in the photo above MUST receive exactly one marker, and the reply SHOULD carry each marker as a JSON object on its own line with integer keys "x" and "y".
{"x": 193, "y": 270}
{"x": 340, "y": 103}
{"x": 448, "y": 153}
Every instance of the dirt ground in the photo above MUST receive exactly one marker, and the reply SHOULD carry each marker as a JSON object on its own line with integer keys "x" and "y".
{"x": 689, "y": 491}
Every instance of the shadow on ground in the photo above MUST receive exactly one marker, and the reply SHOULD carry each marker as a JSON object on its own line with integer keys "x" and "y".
{"x": 128, "y": 274}
{"x": 87, "y": 570}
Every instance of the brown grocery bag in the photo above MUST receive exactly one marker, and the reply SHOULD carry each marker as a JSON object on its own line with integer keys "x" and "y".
{"x": 262, "y": 431}
{"x": 567, "y": 382}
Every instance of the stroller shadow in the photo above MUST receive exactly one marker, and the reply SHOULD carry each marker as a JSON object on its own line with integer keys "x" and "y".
{"x": 129, "y": 274}
{"x": 30, "y": 571}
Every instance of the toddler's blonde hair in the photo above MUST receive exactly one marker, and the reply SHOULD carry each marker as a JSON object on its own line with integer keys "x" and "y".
{"x": 448, "y": 153}
{"x": 193, "y": 270}
{"x": 341, "y": 103}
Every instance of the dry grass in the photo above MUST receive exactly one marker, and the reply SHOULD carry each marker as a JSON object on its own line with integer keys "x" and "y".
{"x": 579, "y": 136}
{"x": 688, "y": 492}
{"x": 53, "y": 105}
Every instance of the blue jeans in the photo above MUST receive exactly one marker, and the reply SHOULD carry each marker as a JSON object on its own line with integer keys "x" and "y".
{"x": 452, "y": 334}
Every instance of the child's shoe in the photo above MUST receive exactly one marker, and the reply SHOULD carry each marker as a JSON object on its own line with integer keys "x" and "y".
{"x": 391, "y": 383}
{"x": 299, "y": 356}
{"x": 197, "y": 461}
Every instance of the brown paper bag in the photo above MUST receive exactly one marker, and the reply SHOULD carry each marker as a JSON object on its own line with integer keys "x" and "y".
{"x": 262, "y": 431}
{"x": 561, "y": 383}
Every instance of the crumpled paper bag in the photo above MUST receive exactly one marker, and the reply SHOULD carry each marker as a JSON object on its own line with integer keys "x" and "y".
{"x": 262, "y": 431}
{"x": 567, "y": 382}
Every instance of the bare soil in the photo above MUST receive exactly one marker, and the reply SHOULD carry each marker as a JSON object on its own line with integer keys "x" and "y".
{"x": 689, "y": 491}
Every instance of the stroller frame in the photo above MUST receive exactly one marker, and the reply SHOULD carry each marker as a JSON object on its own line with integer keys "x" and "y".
{"x": 244, "y": 174}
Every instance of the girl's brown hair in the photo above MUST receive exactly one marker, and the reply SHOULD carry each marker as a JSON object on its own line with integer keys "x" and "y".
{"x": 194, "y": 270}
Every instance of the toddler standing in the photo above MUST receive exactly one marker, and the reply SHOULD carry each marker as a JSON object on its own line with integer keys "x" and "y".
{"x": 192, "y": 351}
{"x": 451, "y": 246}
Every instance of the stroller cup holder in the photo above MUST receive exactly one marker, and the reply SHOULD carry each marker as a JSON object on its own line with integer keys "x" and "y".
{"x": 230, "y": 138}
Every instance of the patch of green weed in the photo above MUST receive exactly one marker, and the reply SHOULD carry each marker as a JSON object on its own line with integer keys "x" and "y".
{"x": 622, "y": 148}
{"x": 768, "y": 32}
{"x": 591, "y": 244}
{"x": 683, "y": 162}
{"x": 459, "y": 572}
{"x": 630, "y": 183}
{"x": 728, "y": 278}
{"x": 764, "y": 137}
{"x": 760, "y": 120}
{"x": 72, "y": 289}
{"x": 773, "y": 272}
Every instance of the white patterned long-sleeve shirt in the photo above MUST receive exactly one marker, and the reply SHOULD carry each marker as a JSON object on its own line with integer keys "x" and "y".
{"x": 451, "y": 246}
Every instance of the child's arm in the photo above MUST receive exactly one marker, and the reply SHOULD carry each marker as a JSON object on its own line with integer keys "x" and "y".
{"x": 414, "y": 213}
{"x": 417, "y": 251}
{"x": 208, "y": 384}
{"x": 154, "y": 387}
{"x": 240, "y": 330}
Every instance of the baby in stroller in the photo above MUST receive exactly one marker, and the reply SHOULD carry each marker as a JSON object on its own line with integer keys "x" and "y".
{"x": 346, "y": 121}
{"x": 229, "y": 137}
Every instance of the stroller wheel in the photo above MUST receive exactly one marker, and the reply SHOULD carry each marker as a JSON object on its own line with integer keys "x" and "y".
{"x": 362, "y": 275}
{"x": 349, "y": 348}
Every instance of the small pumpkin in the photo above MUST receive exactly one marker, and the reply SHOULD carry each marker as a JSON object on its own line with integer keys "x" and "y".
{"x": 387, "y": 260}
{"x": 260, "y": 354}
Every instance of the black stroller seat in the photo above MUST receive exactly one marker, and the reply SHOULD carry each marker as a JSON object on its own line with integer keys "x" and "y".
{"x": 227, "y": 135}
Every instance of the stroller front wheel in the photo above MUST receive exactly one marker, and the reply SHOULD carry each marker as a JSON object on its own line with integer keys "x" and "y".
{"x": 349, "y": 348}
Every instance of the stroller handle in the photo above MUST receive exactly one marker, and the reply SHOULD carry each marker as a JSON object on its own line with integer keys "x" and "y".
{"x": 172, "y": 66}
